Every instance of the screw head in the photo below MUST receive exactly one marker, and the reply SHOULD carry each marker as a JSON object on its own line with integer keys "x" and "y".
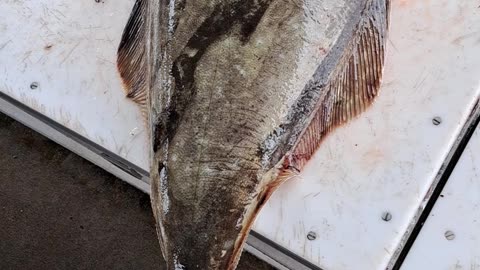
{"x": 449, "y": 235}
{"x": 34, "y": 85}
{"x": 386, "y": 216}
{"x": 437, "y": 120}
{"x": 311, "y": 236}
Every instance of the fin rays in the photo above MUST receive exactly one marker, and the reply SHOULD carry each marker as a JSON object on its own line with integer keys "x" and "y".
{"x": 131, "y": 60}
{"x": 354, "y": 83}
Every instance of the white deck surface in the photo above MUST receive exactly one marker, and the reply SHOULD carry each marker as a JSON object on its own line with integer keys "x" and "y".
{"x": 78, "y": 82}
{"x": 456, "y": 212}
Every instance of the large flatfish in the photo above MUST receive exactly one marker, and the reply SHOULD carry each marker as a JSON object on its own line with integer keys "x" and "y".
{"x": 238, "y": 95}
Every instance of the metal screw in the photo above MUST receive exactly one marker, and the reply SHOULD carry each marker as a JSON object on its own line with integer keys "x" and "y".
{"x": 98, "y": 1}
{"x": 311, "y": 236}
{"x": 387, "y": 216}
{"x": 437, "y": 120}
{"x": 34, "y": 85}
{"x": 449, "y": 235}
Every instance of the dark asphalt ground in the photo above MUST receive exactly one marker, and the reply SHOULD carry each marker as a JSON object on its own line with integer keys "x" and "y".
{"x": 58, "y": 211}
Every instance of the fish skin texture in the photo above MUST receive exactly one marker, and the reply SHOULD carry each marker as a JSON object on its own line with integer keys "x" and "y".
{"x": 238, "y": 95}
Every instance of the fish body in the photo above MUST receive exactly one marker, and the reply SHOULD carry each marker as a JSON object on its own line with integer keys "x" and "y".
{"x": 239, "y": 95}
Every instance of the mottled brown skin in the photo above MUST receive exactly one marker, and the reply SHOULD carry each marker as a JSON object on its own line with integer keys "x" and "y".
{"x": 230, "y": 88}
{"x": 214, "y": 135}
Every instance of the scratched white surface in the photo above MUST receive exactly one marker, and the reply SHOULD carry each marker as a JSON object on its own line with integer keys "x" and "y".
{"x": 387, "y": 158}
{"x": 457, "y": 211}
{"x": 383, "y": 161}
{"x": 78, "y": 83}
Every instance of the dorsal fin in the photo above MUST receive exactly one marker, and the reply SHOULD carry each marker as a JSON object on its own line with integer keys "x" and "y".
{"x": 353, "y": 84}
{"x": 131, "y": 61}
